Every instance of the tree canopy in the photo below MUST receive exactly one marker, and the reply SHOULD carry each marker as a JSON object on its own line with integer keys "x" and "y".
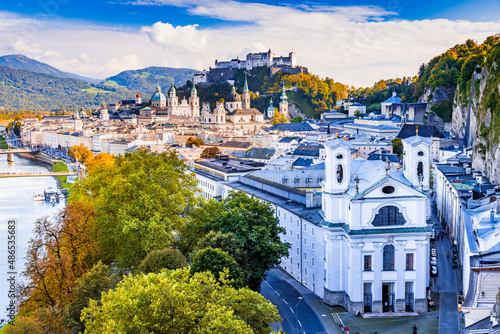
{"x": 141, "y": 200}
{"x": 209, "y": 152}
{"x": 80, "y": 153}
{"x": 256, "y": 230}
{"x": 177, "y": 302}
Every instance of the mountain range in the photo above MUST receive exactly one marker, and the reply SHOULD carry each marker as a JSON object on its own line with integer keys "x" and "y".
{"x": 27, "y": 84}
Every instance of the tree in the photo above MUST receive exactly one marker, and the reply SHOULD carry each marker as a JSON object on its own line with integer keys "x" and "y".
{"x": 209, "y": 152}
{"x": 159, "y": 198}
{"x": 80, "y": 153}
{"x": 177, "y": 302}
{"x": 60, "y": 252}
{"x": 100, "y": 160}
{"x": 397, "y": 147}
{"x": 256, "y": 229}
{"x": 278, "y": 118}
{"x": 297, "y": 119}
{"x": 216, "y": 260}
{"x": 194, "y": 141}
{"x": 157, "y": 260}
{"x": 90, "y": 286}
{"x": 228, "y": 243}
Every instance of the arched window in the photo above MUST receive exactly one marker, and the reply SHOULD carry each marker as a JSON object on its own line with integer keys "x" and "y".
{"x": 388, "y": 257}
{"x": 420, "y": 168}
{"x": 388, "y": 215}
{"x": 340, "y": 173}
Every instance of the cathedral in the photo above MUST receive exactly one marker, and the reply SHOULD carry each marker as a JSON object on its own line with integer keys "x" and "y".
{"x": 236, "y": 111}
{"x": 170, "y": 106}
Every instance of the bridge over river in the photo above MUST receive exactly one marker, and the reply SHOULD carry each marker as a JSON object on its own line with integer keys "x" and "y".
{"x": 37, "y": 174}
{"x": 10, "y": 152}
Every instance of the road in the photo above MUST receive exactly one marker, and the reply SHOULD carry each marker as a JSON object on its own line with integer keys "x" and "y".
{"x": 296, "y": 313}
{"x": 446, "y": 284}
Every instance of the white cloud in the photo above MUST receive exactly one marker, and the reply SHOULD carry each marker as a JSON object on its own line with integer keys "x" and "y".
{"x": 356, "y": 45}
{"x": 184, "y": 37}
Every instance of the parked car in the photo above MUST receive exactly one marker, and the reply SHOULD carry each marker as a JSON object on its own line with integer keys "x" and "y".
{"x": 434, "y": 270}
{"x": 434, "y": 261}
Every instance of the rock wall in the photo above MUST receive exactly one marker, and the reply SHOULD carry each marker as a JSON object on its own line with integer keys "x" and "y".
{"x": 434, "y": 98}
{"x": 486, "y": 154}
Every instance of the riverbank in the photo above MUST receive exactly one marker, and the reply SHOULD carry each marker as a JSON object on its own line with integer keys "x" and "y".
{"x": 16, "y": 203}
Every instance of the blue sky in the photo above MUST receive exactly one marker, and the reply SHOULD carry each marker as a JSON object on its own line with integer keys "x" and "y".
{"x": 124, "y": 13}
{"x": 356, "y": 43}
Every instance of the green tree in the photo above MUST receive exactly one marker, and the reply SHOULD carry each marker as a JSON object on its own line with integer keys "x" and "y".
{"x": 256, "y": 229}
{"x": 90, "y": 286}
{"x": 228, "y": 243}
{"x": 157, "y": 260}
{"x": 216, "y": 260}
{"x": 141, "y": 200}
{"x": 297, "y": 119}
{"x": 176, "y": 302}
{"x": 209, "y": 152}
{"x": 397, "y": 147}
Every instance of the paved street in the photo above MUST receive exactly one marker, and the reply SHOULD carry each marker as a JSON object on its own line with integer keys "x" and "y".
{"x": 446, "y": 284}
{"x": 296, "y": 313}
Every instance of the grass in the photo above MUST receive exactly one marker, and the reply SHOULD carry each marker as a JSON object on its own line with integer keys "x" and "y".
{"x": 61, "y": 167}
{"x": 3, "y": 144}
{"x": 111, "y": 83}
{"x": 94, "y": 90}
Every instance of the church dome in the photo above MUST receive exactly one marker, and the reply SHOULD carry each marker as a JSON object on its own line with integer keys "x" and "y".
{"x": 233, "y": 96}
{"x": 158, "y": 95}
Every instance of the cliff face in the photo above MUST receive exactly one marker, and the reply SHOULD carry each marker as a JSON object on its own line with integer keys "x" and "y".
{"x": 483, "y": 99}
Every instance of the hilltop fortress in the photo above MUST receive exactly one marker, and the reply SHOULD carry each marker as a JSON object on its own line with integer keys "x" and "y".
{"x": 226, "y": 70}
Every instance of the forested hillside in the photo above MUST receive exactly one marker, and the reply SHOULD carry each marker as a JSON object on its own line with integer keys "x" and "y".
{"x": 146, "y": 79}
{"x": 21, "y": 89}
{"x": 22, "y": 62}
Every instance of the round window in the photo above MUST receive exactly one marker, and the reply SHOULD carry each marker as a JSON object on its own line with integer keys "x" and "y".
{"x": 420, "y": 153}
{"x": 388, "y": 189}
{"x": 340, "y": 156}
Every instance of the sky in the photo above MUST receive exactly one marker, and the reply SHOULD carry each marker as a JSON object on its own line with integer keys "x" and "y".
{"x": 353, "y": 42}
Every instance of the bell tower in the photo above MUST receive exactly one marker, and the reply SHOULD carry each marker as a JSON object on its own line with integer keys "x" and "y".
{"x": 416, "y": 161}
{"x": 337, "y": 178}
{"x": 245, "y": 97}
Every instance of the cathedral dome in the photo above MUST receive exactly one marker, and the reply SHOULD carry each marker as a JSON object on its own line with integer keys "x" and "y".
{"x": 233, "y": 96}
{"x": 158, "y": 95}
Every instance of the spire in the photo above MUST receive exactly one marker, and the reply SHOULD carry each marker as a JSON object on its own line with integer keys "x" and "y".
{"x": 245, "y": 88}
{"x": 283, "y": 93}
{"x": 193, "y": 90}
{"x": 172, "y": 88}
{"x": 271, "y": 102}
{"x": 158, "y": 88}
{"x": 233, "y": 90}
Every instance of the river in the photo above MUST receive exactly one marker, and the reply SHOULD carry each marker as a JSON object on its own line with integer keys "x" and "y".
{"x": 16, "y": 202}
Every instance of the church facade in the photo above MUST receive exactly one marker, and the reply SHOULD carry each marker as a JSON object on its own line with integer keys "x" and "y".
{"x": 367, "y": 249}
{"x": 170, "y": 106}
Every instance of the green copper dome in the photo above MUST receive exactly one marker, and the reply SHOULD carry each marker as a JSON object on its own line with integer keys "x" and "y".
{"x": 172, "y": 88}
{"x": 158, "y": 95}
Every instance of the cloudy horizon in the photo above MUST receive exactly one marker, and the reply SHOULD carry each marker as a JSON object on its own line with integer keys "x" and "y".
{"x": 353, "y": 44}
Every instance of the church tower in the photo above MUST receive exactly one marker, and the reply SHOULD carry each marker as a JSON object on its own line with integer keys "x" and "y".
{"x": 271, "y": 109}
{"x": 78, "y": 121}
{"x": 245, "y": 98}
{"x": 416, "y": 161}
{"x": 284, "y": 103}
{"x": 337, "y": 178}
{"x": 194, "y": 102}
{"x": 172, "y": 100}
{"x": 138, "y": 99}
{"x": 104, "y": 112}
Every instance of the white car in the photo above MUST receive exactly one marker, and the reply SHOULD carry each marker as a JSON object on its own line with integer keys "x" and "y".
{"x": 434, "y": 261}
